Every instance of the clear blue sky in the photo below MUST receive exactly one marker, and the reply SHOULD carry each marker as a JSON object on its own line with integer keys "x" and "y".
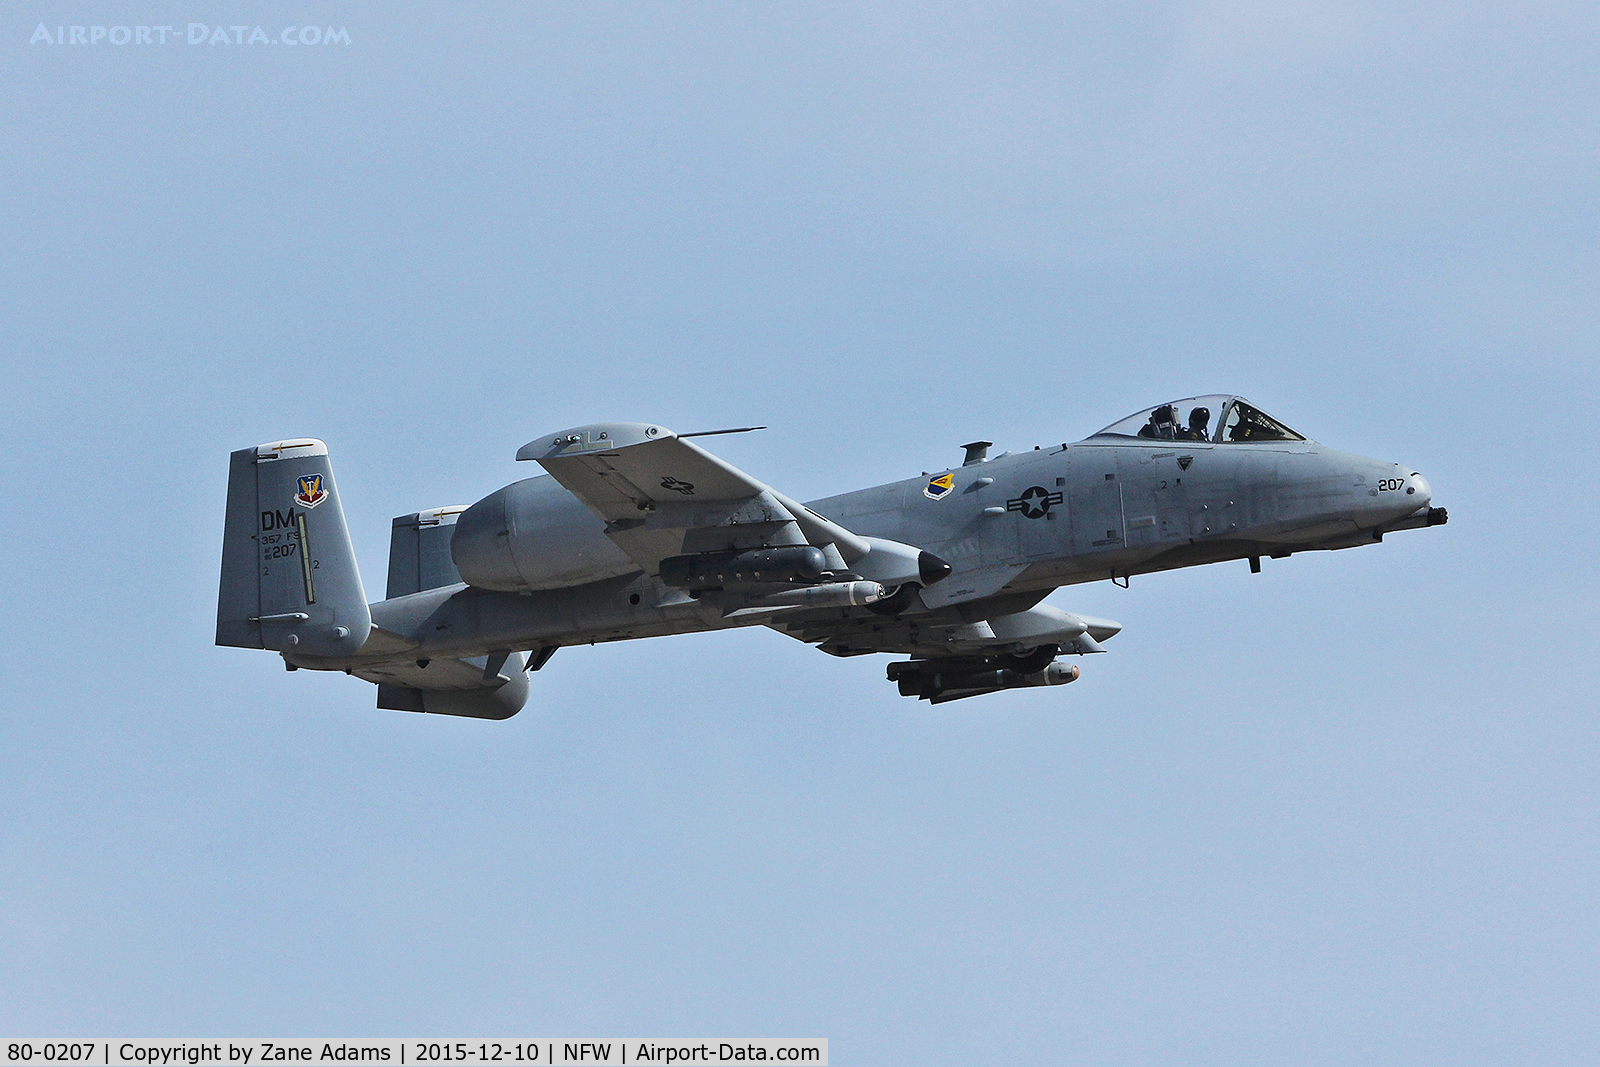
{"x": 1344, "y": 811}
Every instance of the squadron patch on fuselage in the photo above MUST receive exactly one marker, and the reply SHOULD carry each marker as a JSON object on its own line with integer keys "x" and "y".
{"x": 939, "y": 487}
{"x": 1035, "y": 502}
{"x": 311, "y": 493}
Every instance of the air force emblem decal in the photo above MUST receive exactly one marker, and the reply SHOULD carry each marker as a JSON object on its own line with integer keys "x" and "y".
{"x": 311, "y": 493}
{"x": 939, "y": 487}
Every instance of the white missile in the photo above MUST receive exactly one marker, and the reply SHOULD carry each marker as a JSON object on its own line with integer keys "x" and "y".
{"x": 831, "y": 595}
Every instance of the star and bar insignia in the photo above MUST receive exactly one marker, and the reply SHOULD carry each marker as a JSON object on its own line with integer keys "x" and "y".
{"x": 1035, "y": 502}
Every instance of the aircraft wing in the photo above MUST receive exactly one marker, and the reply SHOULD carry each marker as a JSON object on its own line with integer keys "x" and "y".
{"x": 662, "y": 495}
{"x": 1013, "y": 624}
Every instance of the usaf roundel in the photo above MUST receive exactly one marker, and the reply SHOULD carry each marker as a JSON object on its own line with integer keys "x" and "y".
{"x": 939, "y": 487}
{"x": 1035, "y": 502}
{"x": 310, "y": 493}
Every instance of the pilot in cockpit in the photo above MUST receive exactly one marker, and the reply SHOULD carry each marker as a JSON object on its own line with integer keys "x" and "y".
{"x": 1199, "y": 425}
{"x": 1163, "y": 423}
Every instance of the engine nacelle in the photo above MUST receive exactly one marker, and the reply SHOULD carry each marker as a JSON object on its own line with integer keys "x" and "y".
{"x": 534, "y": 535}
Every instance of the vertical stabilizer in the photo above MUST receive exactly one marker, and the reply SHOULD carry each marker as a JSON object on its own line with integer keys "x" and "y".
{"x": 289, "y": 578}
{"x": 419, "y": 551}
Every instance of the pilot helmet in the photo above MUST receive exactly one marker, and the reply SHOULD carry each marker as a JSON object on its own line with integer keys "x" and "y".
{"x": 1199, "y": 416}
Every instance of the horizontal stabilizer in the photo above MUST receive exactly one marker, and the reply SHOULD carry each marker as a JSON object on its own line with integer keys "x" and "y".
{"x": 478, "y": 687}
{"x": 467, "y": 704}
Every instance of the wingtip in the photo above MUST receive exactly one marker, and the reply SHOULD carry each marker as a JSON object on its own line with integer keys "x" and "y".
{"x": 597, "y": 437}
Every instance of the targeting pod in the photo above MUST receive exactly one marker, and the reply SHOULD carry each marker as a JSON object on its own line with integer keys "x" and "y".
{"x": 784, "y": 565}
{"x": 938, "y": 682}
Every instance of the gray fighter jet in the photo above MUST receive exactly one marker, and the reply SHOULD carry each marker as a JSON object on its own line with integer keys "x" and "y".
{"x": 639, "y": 532}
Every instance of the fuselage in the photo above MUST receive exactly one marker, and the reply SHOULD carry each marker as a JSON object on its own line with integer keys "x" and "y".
{"x": 1012, "y": 528}
{"x": 1112, "y": 507}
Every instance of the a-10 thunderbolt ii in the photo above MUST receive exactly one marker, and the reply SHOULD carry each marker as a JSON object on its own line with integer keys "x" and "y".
{"x": 639, "y": 532}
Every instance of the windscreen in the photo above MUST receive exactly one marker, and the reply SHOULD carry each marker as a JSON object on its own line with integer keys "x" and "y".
{"x": 1244, "y": 422}
{"x": 1216, "y": 417}
{"x": 1192, "y": 419}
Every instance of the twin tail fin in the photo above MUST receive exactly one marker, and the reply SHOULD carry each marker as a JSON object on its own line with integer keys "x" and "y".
{"x": 289, "y": 578}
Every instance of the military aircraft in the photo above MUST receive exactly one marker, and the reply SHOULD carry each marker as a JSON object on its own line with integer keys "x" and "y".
{"x": 636, "y": 531}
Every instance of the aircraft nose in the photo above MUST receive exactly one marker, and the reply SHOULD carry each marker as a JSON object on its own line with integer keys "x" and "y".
{"x": 1420, "y": 490}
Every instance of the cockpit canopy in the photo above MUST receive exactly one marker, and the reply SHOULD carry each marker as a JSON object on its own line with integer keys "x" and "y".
{"x": 1217, "y": 418}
